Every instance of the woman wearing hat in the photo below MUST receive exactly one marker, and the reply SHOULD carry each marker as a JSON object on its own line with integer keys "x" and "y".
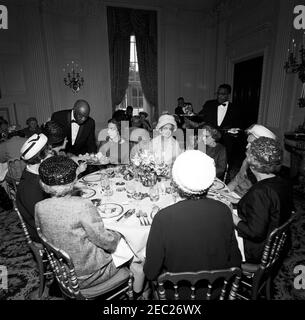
{"x": 196, "y": 233}
{"x": 33, "y": 152}
{"x": 268, "y": 203}
{"x": 73, "y": 224}
{"x": 164, "y": 146}
{"x": 244, "y": 179}
{"x": 115, "y": 148}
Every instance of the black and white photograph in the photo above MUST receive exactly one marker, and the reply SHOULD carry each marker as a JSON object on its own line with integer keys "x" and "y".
{"x": 152, "y": 151}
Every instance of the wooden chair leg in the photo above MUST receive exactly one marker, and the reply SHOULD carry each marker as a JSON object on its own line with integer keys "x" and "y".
{"x": 268, "y": 289}
{"x": 41, "y": 270}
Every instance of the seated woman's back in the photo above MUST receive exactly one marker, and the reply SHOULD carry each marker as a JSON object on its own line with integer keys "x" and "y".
{"x": 266, "y": 206}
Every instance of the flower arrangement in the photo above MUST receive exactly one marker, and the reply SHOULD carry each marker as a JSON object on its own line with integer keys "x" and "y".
{"x": 148, "y": 167}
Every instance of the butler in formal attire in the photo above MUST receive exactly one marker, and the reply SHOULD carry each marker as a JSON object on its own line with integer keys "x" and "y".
{"x": 221, "y": 114}
{"x": 79, "y": 128}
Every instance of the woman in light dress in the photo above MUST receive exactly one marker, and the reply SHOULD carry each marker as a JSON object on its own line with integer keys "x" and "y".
{"x": 164, "y": 147}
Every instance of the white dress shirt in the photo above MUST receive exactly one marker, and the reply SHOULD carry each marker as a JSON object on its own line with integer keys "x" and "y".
{"x": 74, "y": 129}
{"x": 221, "y": 112}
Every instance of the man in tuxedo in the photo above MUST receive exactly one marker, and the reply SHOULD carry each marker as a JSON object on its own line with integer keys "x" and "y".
{"x": 79, "y": 128}
{"x": 179, "y": 111}
{"x": 221, "y": 114}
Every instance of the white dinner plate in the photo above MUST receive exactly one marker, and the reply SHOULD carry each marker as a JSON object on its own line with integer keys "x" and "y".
{"x": 92, "y": 178}
{"x": 110, "y": 210}
{"x": 218, "y": 185}
{"x": 87, "y": 193}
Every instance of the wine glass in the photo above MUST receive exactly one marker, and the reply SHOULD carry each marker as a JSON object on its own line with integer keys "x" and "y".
{"x": 130, "y": 189}
{"x": 154, "y": 193}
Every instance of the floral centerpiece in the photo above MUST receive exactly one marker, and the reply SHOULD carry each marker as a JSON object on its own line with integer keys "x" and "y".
{"x": 148, "y": 167}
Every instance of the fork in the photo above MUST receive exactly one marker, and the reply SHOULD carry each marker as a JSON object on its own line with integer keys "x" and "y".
{"x": 139, "y": 217}
{"x": 145, "y": 218}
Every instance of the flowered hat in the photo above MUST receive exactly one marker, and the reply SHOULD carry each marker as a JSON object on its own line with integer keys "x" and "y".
{"x": 57, "y": 170}
{"x": 194, "y": 171}
{"x": 265, "y": 151}
{"x": 166, "y": 119}
{"x": 32, "y": 146}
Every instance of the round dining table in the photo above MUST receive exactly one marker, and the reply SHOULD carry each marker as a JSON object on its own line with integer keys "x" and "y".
{"x": 128, "y": 207}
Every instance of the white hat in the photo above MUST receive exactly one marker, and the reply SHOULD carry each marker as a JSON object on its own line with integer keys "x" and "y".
{"x": 139, "y": 133}
{"x": 260, "y": 131}
{"x": 194, "y": 171}
{"x": 32, "y": 146}
{"x": 166, "y": 119}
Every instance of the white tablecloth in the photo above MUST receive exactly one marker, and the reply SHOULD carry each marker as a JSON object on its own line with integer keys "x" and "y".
{"x": 133, "y": 232}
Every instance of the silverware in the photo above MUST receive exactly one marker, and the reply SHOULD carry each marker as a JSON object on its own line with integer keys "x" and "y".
{"x": 139, "y": 217}
{"x": 145, "y": 218}
{"x": 127, "y": 214}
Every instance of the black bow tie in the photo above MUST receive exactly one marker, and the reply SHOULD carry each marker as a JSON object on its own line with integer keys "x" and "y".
{"x": 73, "y": 121}
{"x": 224, "y": 104}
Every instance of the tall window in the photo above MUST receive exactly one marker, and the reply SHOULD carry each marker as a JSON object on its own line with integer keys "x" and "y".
{"x": 134, "y": 95}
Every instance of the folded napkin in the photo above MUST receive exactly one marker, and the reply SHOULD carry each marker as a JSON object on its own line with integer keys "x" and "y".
{"x": 134, "y": 234}
{"x": 122, "y": 253}
{"x": 240, "y": 241}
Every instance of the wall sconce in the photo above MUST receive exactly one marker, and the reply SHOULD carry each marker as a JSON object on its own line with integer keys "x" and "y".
{"x": 296, "y": 64}
{"x": 73, "y": 78}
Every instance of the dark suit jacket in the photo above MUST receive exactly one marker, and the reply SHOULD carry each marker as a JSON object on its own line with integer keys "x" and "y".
{"x": 85, "y": 140}
{"x": 266, "y": 206}
{"x": 29, "y": 193}
{"x": 191, "y": 235}
{"x": 209, "y": 115}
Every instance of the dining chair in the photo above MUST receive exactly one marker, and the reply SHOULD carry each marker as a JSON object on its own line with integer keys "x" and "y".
{"x": 118, "y": 286}
{"x": 202, "y": 285}
{"x": 257, "y": 278}
{"x": 45, "y": 274}
{"x": 12, "y": 179}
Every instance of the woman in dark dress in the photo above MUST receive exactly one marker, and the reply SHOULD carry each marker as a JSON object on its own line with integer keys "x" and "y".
{"x": 268, "y": 203}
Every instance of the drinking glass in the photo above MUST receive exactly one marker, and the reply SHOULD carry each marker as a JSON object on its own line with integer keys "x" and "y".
{"x": 130, "y": 189}
{"x": 104, "y": 182}
{"x": 154, "y": 193}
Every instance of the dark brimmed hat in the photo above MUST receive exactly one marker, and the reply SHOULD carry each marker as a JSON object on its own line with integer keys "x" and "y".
{"x": 54, "y": 132}
{"x": 57, "y": 170}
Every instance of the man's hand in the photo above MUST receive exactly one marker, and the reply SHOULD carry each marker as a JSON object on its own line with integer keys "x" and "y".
{"x": 236, "y": 219}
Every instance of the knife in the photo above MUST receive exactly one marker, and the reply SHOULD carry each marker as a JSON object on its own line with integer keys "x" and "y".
{"x": 127, "y": 214}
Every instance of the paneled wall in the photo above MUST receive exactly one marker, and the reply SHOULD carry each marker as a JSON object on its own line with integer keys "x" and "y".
{"x": 195, "y": 55}
{"x": 264, "y": 27}
{"x": 44, "y": 36}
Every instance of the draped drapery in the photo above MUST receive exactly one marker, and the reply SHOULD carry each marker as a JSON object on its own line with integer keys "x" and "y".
{"x": 145, "y": 28}
{"x": 122, "y": 22}
{"x": 119, "y": 30}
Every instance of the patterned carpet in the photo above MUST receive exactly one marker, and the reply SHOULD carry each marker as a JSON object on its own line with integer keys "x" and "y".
{"x": 23, "y": 273}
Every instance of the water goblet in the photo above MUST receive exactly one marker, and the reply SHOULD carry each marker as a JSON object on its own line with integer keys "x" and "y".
{"x": 154, "y": 193}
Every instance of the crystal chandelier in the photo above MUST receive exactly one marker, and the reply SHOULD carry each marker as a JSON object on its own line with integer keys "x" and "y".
{"x": 296, "y": 64}
{"x": 73, "y": 77}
